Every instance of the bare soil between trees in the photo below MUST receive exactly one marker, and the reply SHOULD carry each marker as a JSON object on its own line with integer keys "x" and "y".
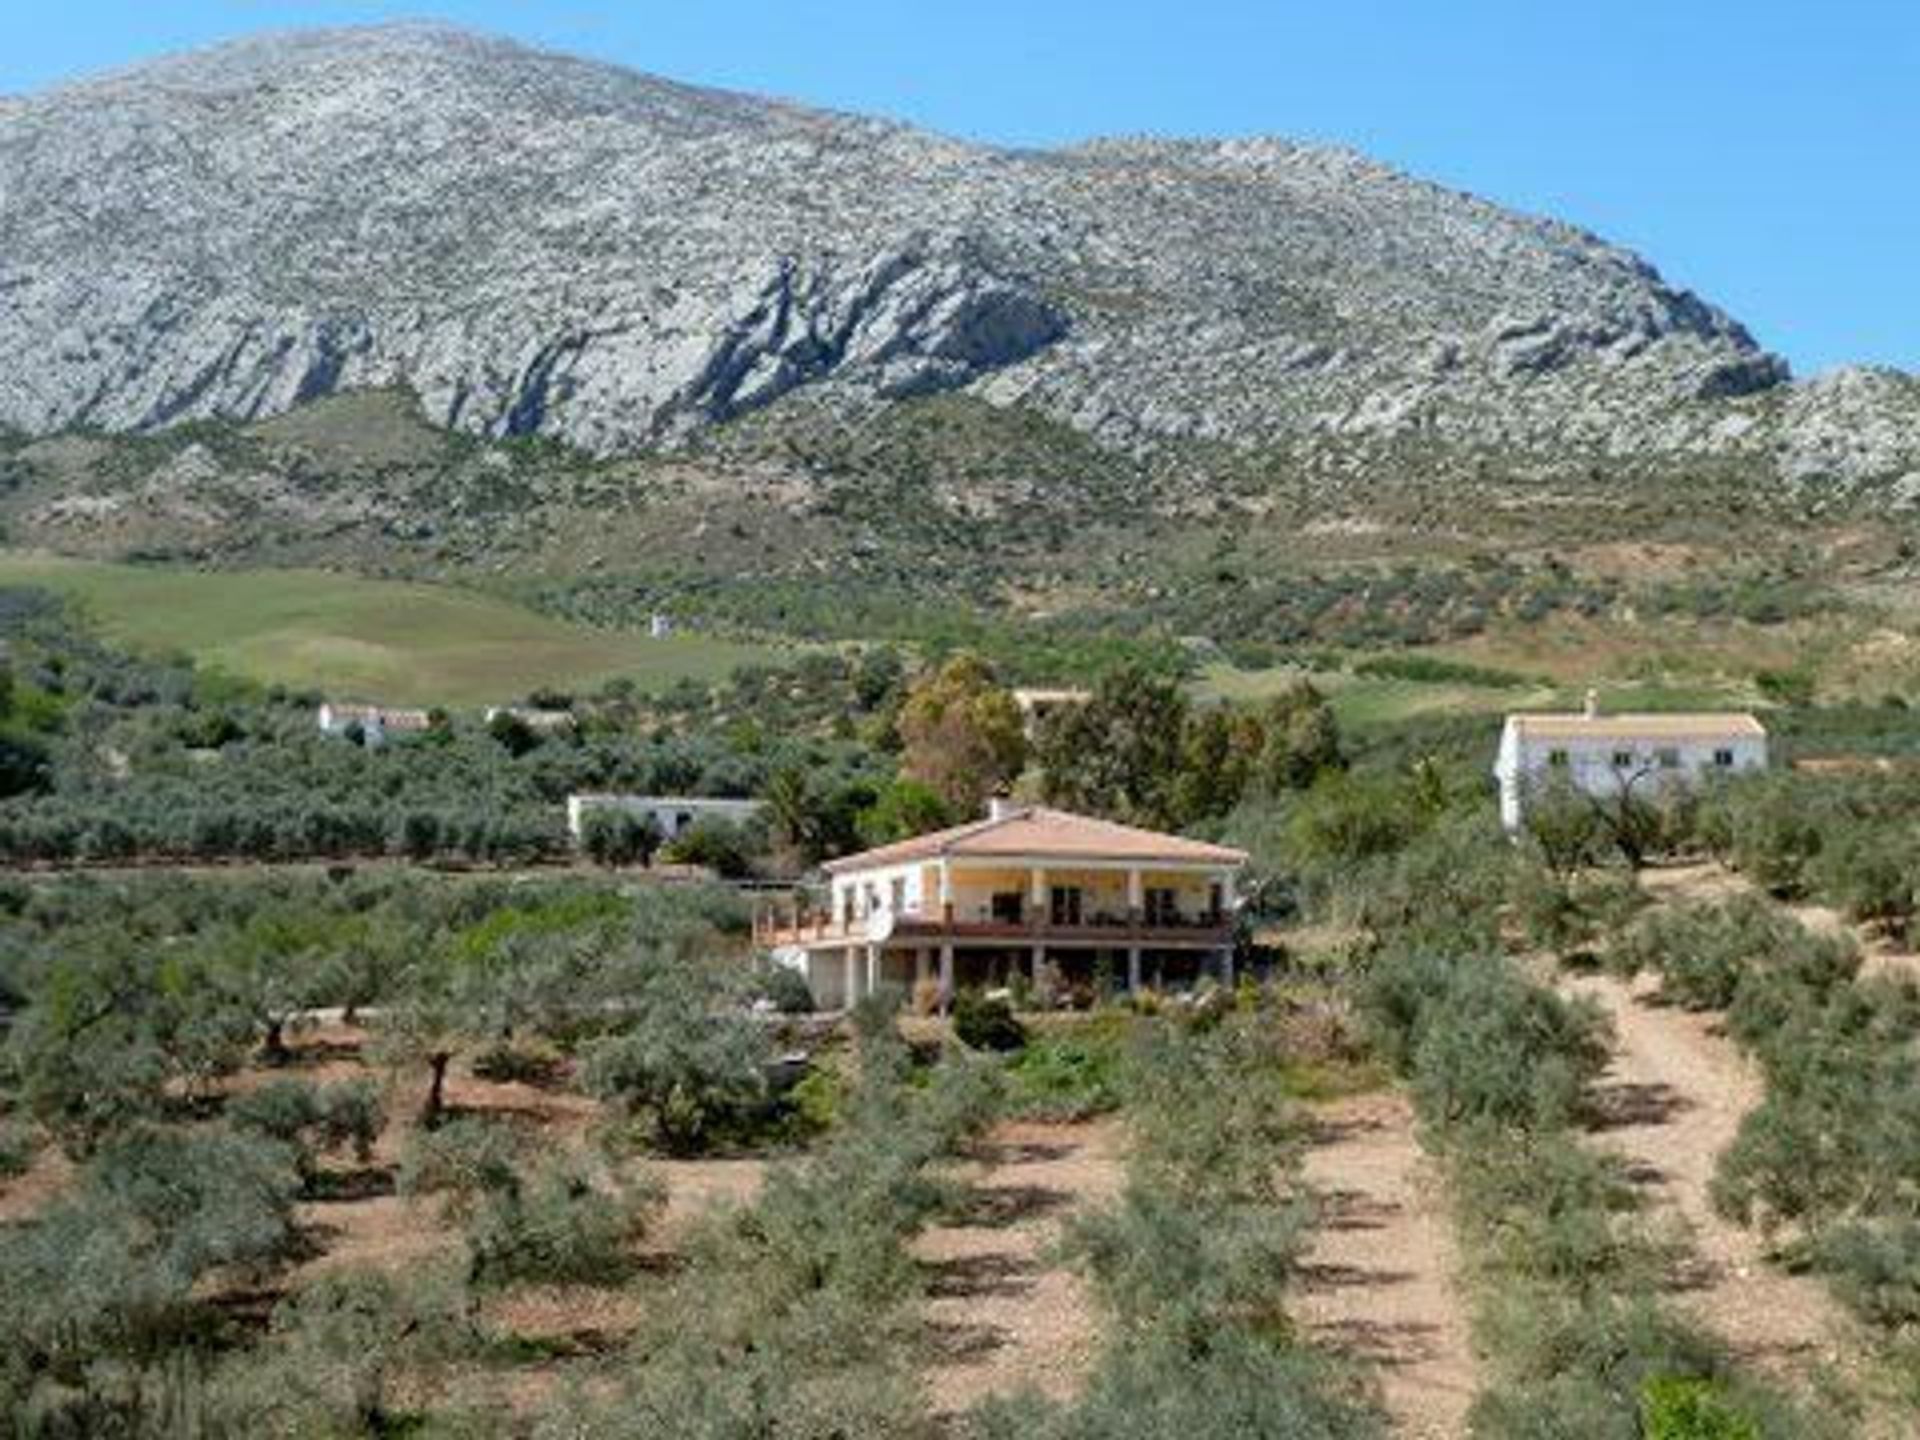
{"x": 1380, "y": 1281}
{"x": 1003, "y": 1312}
{"x": 1670, "y": 1103}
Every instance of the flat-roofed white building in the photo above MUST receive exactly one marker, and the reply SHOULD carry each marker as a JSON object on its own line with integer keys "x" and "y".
{"x": 373, "y": 722}
{"x": 671, "y": 814}
{"x": 1606, "y": 755}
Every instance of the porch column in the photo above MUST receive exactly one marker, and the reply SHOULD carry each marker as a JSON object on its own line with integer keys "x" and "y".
{"x": 922, "y": 966}
{"x": 946, "y": 977}
{"x": 873, "y": 968}
{"x": 1136, "y": 896}
{"x": 1226, "y": 968}
{"x": 850, "y": 962}
{"x": 1038, "y": 896}
{"x": 946, "y": 893}
{"x": 1133, "y": 969}
{"x": 1038, "y": 960}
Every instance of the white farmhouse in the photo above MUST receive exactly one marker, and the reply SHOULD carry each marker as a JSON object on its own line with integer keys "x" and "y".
{"x": 671, "y": 814}
{"x": 1603, "y": 755}
{"x": 374, "y": 722}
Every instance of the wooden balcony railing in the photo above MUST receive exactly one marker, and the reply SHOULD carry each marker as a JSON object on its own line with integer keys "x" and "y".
{"x": 819, "y": 928}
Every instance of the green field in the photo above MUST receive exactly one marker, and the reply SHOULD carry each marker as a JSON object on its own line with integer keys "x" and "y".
{"x": 371, "y": 639}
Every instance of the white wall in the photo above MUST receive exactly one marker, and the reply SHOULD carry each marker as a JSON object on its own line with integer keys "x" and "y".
{"x": 1103, "y": 888}
{"x": 671, "y": 814}
{"x": 872, "y": 891}
{"x": 1594, "y": 765}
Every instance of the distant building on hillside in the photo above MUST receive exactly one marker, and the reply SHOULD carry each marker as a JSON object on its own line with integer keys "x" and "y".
{"x": 1036, "y": 704}
{"x": 540, "y": 722}
{"x": 1606, "y": 755}
{"x": 374, "y": 723}
{"x": 660, "y": 625}
{"x": 671, "y": 814}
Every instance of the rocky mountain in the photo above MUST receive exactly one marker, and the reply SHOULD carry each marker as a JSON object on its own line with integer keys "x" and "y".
{"x": 531, "y": 243}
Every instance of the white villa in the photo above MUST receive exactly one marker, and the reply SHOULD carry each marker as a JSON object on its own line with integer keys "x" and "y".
{"x": 670, "y": 813}
{"x": 1023, "y": 888}
{"x": 375, "y": 722}
{"x": 1604, "y": 755}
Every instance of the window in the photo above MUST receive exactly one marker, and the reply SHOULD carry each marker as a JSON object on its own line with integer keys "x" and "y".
{"x": 1623, "y": 759}
{"x": 897, "y": 894}
{"x": 1066, "y": 904}
{"x": 1005, "y": 907}
{"x": 1557, "y": 759}
{"x": 1669, "y": 757}
{"x": 1162, "y": 907}
{"x": 1216, "y": 902}
{"x": 846, "y": 905}
{"x": 1723, "y": 759}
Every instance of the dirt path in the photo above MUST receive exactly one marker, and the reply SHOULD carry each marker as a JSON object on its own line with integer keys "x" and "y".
{"x": 1672, "y": 1101}
{"x": 1379, "y": 1281}
{"x": 1004, "y": 1317}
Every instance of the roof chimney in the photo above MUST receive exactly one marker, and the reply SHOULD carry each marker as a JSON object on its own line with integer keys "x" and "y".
{"x": 1592, "y": 710}
{"x": 1002, "y": 807}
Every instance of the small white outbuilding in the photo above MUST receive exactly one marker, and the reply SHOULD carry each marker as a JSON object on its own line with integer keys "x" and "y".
{"x": 671, "y": 814}
{"x": 1605, "y": 755}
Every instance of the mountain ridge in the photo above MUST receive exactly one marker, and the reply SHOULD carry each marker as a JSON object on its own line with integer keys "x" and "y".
{"x": 535, "y": 243}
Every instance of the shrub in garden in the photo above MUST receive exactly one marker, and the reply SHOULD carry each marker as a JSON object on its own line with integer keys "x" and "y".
{"x": 1152, "y": 1386}
{"x": 983, "y": 1022}
{"x": 784, "y": 988}
{"x": 1874, "y": 1267}
{"x": 1768, "y": 826}
{"x": 334, "y": 1348}
{"x": 108, "y": 1271}
{"x": 1798, "y": 981}
{"x": 1480, "y": 1042}
{"x": 312, "y": 1120}
{"x": 617, "y": 837}
{"x": 1069, "y": 1074}
{"x": 558, "y": 1224}
{"x": 464, "y": 1158}
{"x": 1704, "y": 953}
{"x": 1834, "y": 1135}
{"x": 719, "y": 845}
{"x": 1583, "y": 1366}
{"x": 17, "y": 1146}
{"x": 1868, "y": 871}
{"x": 1676, "y": 1407}
{"x": 1498, "y": 1048}
{"x": 689, "y": 1072}
{"x": 509, "y": 1064}
{"x": 1568, "y": 915}
{"x": 1564, "y": 1212}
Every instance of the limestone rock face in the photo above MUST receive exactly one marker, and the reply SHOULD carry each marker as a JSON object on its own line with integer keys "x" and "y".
{"x": 533, "y": 243}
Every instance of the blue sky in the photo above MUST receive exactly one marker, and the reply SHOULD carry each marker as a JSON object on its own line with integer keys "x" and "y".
{"x": 1765, "y": 153}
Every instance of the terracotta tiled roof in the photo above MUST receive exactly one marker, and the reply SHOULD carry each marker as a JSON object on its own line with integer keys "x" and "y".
{"x": 1039, "y": 831}
{"x": 1695, "y": 726}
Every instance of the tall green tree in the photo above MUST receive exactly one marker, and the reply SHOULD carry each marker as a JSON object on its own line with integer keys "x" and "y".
{"x": 963, "y": 733}
{"x": 1120, "y": 754}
